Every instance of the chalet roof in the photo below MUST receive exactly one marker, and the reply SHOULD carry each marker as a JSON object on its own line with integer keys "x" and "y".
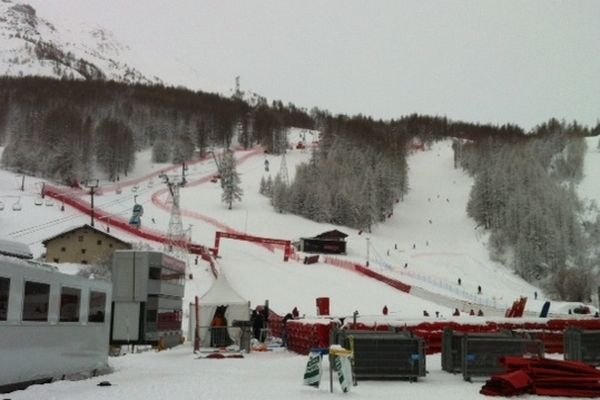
{"x": 15, "y": 249}
{"x": 334, "y": 234}
{"x": 78, "y": 228}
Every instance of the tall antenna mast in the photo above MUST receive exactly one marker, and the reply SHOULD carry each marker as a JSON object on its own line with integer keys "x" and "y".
{"x": 238, "y": 91}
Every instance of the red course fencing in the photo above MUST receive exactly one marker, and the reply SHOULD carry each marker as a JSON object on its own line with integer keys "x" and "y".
{"x": 351, "y": 266}
{"x": 305, "y": 335}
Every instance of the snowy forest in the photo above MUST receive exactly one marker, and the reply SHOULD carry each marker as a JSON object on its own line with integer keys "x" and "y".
{"x": 44, "y": 122}
{"x": 524, "y": 196}
{"x": 523, "y": 192}
{"x": 347, "y": 184}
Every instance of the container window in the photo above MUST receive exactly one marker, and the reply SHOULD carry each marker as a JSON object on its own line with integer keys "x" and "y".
{"x": 97, "y": 306}
{"x": 35, "y": 303}
{"x": 69, "y": 304}
{"x": 4, "y": 289}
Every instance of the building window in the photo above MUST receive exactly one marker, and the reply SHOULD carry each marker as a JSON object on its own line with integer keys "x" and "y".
{"x": 56, "y": 260}
{"x": 154, "y": 273}
{"x": 4, "y": 290}
{"x": 69, "y": 304}
{"x": 80, "y": 238}
{"x": 99, "y": 242}
{"x": 151, "y": 315}
{"x": 84, "y": 261}
{"x": 110, "y": 245}
{"x": 63, "y": 249}
{"x": 35, "y": 303}
{"x": 82, "y": 251}
{"x": 97, "y": 306}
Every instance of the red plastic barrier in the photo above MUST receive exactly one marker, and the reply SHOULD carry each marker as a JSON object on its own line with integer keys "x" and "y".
{"x": 382, "y": 278}
{"x": 302, "y": 336}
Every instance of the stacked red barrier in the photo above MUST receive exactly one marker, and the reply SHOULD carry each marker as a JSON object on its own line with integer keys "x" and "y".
{"x": 303, "y": 336}
{"x": 544, "y": 377}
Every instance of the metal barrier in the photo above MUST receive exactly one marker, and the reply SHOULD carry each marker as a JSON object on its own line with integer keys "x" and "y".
{"x": 452, "y": 347}
{"x": 481, "y": 355}
{"x": 580, "y": 345}
{"x": 385, "y": 355}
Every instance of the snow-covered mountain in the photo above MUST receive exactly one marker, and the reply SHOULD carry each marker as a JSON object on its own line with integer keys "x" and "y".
{"x": 31, "y": 45}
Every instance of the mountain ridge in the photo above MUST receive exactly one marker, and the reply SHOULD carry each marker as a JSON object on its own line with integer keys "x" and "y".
{"x": 32, "y": 45}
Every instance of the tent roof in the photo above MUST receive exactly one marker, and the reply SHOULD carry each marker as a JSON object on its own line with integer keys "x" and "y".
{"x": 221, "y": 292}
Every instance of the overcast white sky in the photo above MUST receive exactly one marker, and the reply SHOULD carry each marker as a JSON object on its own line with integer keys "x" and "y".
{"x": 486, "y": 61}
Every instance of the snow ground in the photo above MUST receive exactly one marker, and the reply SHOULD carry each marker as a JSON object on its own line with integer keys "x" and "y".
{"x": 454, "y": 249}
{"x": 259, "y": 376}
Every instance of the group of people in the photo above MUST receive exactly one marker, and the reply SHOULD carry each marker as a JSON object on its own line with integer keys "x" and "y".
{"x": 456, "y": 312}
{"x": 260, "y": 320}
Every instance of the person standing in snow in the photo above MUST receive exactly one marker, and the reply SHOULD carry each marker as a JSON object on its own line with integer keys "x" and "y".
{"x": 284, "y": 332}
{"x": 257, "y": 323}
{"x": 295, "y": 313}
{"x": 218, "y": 332}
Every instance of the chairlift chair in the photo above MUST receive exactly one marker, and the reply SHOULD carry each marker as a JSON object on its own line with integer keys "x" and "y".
{"x": 138, "y": 210}
{"x": 135, "y": 221}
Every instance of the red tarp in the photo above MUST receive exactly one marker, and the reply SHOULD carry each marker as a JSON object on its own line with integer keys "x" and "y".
{"x": 544, "y": 377}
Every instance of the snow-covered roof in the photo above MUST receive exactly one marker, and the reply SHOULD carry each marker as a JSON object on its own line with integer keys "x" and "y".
{"x": 85, "y": 226}
{"x": 15, "y": 249}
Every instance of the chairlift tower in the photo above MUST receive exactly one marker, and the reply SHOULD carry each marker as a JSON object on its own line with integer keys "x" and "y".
{"x": 238, "y": 92}
{"x": 177, "y": 237}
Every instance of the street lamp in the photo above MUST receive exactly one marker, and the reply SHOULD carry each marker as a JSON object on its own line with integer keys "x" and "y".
{"x": 92, "y": 184}
{"x": 368, "y": 251}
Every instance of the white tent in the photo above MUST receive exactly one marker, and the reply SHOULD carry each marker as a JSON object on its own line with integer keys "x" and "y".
{"x": 220, "y": 294}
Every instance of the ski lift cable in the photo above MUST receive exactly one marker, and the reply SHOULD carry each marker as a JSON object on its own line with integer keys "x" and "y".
{"x": 58, "y": 221}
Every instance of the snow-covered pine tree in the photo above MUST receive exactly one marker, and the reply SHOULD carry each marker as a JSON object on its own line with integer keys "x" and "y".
{"x": 160, "y": 151}
{"x": 269, "y": 187}
{"x": 230, "y": 180}
{"x": 262, "y": 189}
{"x": 279, "y": 194}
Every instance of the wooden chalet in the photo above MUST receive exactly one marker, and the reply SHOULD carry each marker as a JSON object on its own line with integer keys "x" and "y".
{"x": 330, "y": 242}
